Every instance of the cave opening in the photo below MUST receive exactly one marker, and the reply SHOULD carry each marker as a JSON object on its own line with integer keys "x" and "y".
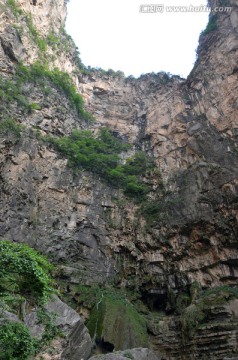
{"x": 156, "y": 301}
{"x": 103, "y": 347}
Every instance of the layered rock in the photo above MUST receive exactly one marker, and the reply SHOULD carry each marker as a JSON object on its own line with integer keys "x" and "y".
{"x": 91, "y": 229}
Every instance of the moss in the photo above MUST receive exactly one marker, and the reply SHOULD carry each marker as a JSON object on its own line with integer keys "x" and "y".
{"x": 222, "y": 292}
{"x": 198, "y": 313}
{"x": 190, "y": 319}
{"x": 183, "y": 300}
{"x": 88, "y": 295}
{"x": 117, "y": 321}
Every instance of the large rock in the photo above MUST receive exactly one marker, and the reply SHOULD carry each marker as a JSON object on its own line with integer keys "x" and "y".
{"x": 133, "y": 354}
{"x": 78, "y": 344}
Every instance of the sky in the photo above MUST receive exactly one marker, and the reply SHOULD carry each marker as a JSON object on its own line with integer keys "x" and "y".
{"x": 115, "y": 34}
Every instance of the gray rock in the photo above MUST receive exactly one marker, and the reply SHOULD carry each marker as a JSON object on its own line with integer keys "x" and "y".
{"x": 12, "y": 45}
{"x": 78, "y": 344}
{"x": 6, "y": 315}
{"x": 65, "y": 317}
{"x": 134, "y": 354}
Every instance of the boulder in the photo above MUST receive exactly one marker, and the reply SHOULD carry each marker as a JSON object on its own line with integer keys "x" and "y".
{"x": 133, "y": 354}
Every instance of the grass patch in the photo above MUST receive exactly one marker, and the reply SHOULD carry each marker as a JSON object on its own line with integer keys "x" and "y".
{"x": 41, "y": 43}
{"x": 10, "y": 126}
{"x": 13, "y": 90}
{"x": 16, "y": 10}
{"x": 61, "y": 80}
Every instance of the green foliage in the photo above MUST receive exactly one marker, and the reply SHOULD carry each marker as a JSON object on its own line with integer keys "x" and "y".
{"x": 114, "y": 315}
{"x": 100, "y": 154}
{"x": 102, "y": 72}
{"x": 153, "y": 210}
{"x": 128, "y": 355}
{"x": 10, "y": 126}
{"x": 190, "y": 319}
{"x": 16, "y": 342}
{"x": 89, "y": 295}
{"x": 53, "y": 41}
{"x": 61, "y": 80}
{"x": 41, "y": 43}
{"x": 212, "y": 24}
{"x": 14, "y": 89}
{"x": 196, "y": 314}
{"x": 183, "y": 301}
{"x": 16, "y": 10}
{"x": 48, "y": 320}
{"x": 34, "y": 106}
{"x": 223, "y": 290}
{"x": 24, "y": 272}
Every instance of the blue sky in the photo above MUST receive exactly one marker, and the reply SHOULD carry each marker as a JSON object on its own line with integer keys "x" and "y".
{"x": 115, "y": 34}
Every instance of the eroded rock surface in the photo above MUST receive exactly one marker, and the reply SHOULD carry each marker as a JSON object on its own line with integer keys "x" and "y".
{"x": 91, "y": 230}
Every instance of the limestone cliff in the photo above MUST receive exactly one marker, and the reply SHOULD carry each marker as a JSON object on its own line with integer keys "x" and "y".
{"x": 185, "y": 241}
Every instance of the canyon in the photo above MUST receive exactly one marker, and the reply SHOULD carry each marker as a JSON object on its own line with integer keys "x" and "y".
{"x": 168, "y": 261}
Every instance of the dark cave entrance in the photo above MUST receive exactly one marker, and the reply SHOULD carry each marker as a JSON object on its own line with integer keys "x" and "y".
{"x": 103, "y": 347}
{"x": 156, "y": 300}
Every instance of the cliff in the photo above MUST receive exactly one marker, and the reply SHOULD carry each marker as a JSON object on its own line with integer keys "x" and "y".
{"x": 174, "y": 252}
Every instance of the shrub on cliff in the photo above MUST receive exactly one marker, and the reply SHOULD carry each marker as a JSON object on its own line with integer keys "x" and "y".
{"x": 24, "y": 278}
{"x": 101, "y": 155}
{"x": 16, "y": 342}
{"x": 24, "y": 272}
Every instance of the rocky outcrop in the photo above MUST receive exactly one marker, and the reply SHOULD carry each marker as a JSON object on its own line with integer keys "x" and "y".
{"x": 74, "y": 342}
{"x": 136, "y": 354}
{"x": 213, "y": 338}
{"x": 185, "y": 233}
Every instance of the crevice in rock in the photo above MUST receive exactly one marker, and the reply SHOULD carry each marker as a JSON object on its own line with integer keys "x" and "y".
{"x": 103, "y": 347}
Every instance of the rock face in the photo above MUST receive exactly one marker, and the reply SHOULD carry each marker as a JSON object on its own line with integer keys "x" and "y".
{"x": 91, "y": 230}
{"x": 77, "y": 343}
{"x": 136, "y": 354}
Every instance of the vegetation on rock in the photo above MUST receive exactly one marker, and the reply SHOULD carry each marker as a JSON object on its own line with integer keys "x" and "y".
{"x": 24, "y": 272}
{"x": 115, "y": 315}
{"x": 196, "y": 312}
{"x": 15, "y": 89}
{"x": 24, "y": 278}
{"x": 16, "y": 342}
{"x": 101, "y": 155}
{"x": 10, "y": 126}
{"x": 212, "y": 24}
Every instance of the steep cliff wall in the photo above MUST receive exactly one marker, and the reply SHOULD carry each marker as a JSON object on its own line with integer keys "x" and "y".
{"x": 185, "y": 233}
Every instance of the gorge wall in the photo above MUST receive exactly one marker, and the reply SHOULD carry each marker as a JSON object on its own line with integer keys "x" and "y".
{"x": 180, "y": 255}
